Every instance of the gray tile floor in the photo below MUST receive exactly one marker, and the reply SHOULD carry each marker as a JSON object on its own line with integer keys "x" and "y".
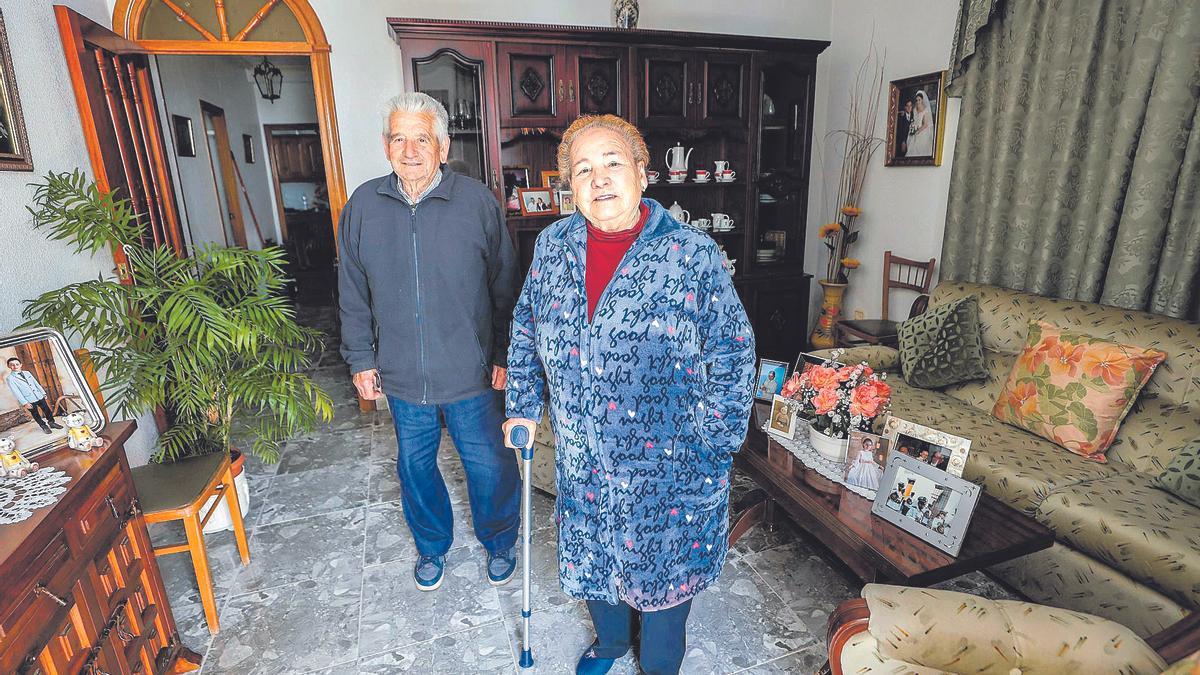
{"x": 329, "y": 587}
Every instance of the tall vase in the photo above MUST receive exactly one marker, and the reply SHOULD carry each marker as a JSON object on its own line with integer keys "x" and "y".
{"x": 831, "y": 312}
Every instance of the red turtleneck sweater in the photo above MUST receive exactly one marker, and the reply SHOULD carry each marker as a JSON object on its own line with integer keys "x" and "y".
{"x": 604, "y": 253}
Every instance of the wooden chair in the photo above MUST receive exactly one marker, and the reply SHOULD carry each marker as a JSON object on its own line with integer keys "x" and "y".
{"x": 178, "y": 491}
{"x": 914, "y": 275}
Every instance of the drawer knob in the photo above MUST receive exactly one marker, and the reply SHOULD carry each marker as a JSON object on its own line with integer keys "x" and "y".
{"x": 40, "y": 589}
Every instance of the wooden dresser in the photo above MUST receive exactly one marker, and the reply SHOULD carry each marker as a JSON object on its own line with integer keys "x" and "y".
{"x": 80, "y": 590}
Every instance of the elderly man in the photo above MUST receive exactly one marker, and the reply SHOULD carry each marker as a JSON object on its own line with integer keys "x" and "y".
{"x": 428, "y": 281}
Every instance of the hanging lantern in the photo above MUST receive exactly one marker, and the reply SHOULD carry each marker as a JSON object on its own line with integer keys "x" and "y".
{"x": 269, "y": 80}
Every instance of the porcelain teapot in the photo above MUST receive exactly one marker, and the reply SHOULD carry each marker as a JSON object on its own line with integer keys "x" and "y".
{"x": 677, "y": 157}
{"x": 679, "y": 213}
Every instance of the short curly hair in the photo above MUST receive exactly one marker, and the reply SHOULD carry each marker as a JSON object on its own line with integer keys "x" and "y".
{"x": 628, "y": 132}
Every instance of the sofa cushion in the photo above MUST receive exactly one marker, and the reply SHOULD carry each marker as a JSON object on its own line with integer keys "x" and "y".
{"x": 1182, "y": 477}
{"x": 942, "y": 346}
{"x": 1074, "y": 389}
{"x": 1012, "y": 465}
{"x": 1125, "y": 522}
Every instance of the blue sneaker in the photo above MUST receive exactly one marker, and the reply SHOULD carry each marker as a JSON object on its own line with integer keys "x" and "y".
{"x": 501, "y": 567}
{"x": 590, "y": 664}
{"x": 428, "y": 571}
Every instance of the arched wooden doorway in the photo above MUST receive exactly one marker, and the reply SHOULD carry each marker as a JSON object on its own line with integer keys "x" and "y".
{"x": 245, "y": 27}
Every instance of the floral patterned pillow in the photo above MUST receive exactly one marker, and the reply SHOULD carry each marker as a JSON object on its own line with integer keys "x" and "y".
{"x": 1074, "y": 389}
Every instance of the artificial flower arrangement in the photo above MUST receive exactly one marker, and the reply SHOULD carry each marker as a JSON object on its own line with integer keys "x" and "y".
{"x": 840, "y": 398}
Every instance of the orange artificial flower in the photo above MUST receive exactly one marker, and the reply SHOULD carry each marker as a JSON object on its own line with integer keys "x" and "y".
{"x": 1109, "y": 366}
{"x": 829, "y": 229}
{"x": 864, "y": 402}
{"x": 851, "y": 263}
{"x": 845, "y": 373}
{"x": 851, "y": 210}
{"x": 792, "y": 386}
{"x": 826, "y": 400}
{"x": 882, "y": 390}
{"x": 822, "y": 377}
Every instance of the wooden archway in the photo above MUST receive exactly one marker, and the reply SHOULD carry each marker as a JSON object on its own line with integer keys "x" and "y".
{"x": 129, "y": 18}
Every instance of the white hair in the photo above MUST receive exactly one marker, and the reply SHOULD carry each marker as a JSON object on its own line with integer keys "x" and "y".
{"x": 418, "y": 102}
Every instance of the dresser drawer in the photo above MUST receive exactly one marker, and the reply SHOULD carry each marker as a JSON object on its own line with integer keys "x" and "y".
{"x": 102, "y": 513}
{"x": 42, "y": 592}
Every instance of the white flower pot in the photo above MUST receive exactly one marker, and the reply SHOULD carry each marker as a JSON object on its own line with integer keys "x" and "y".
{"x": 830, "y": 448}
{"x": 220, "y": 520}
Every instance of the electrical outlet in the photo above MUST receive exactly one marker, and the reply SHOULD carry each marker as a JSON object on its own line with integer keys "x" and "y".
{"x": 858, "y": 315}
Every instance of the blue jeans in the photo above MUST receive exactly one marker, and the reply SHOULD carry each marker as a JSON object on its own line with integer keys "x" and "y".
{"x": 663, "y": 635}
{"x": 493, "y": 481}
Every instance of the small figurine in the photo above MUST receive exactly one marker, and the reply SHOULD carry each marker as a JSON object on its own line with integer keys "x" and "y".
{"x": 12, "y": 462}
{"x": 79, "y": 435}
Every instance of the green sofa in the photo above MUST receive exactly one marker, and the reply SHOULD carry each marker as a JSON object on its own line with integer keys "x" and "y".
{"x": 1124, "y": 550}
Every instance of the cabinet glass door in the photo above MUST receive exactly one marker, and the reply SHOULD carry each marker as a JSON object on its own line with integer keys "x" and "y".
{"x": 457, "y": 82}
{"x": 781, "y": 187}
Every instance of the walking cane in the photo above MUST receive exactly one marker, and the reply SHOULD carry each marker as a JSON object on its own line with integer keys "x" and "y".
{"x": 518, "y": 437}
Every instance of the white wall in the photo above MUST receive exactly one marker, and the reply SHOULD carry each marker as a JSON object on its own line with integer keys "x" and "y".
{"x": 35, "y": 264}
{"x": 223, "y": 82}
{"x": 296, "y": 105}
{"x": 367, "y": 67}
{"x": 904, "y": 208}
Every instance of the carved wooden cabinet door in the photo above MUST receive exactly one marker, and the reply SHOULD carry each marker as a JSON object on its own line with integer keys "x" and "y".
{"x": 597, "y": 85}
{"x": 722, "y": 89}
{"x": 533, "y": 85}
{"x": 667, "y": 87}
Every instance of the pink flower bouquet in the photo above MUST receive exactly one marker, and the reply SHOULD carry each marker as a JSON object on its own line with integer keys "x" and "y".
{"x": 840, "y": 398}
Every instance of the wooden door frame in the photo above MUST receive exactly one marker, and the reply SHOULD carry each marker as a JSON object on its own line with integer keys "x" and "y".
{"x": 127, "y": 22}
{"x": 224, "y": 160}
{"x": 273, "y": 157}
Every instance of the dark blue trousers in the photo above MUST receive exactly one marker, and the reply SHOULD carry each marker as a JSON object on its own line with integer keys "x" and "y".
{"x": 493, "y": 481}
{"x": 663, "y": 634}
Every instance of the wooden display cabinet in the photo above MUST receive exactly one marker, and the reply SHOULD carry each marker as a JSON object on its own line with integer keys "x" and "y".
{"x": 706, "y": 91}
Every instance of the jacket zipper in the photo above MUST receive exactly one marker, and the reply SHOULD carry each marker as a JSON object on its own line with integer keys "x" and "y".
{"x": 420, "y": 328}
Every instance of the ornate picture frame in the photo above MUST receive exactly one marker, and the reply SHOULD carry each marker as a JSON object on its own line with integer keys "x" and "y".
{"x": 928, "y": 503}
{"x": 14, "y": 142}
{"x": 902, "y": 433}
{"x": 783, "y": 420}
{"x": 49, "y": 368}
{"x": 916, "y": 103}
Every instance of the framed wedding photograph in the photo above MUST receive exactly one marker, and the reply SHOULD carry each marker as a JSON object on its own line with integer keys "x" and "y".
{"x": 783, "y": 420}
{"x": 43, "y": 383}
{"x": 536, "y": 201}
{"x": 867, "y": 455}
{"x": 916, "y": 121}
{"x": 928, "y": 504}
{"x": 14, "y": 142}
{"x": 771, "y": 375}
{"x": 927, "y": 445}
{"x": 566, "y": 201}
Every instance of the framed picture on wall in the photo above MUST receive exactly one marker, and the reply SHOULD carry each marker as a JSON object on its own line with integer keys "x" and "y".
{"x": 14, "y": 143}
{"x": 185, "y": 141}
{"x": 916, "y": 120}
{"x": 248, "y": 148}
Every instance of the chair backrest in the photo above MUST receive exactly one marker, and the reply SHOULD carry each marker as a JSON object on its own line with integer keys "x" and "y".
{"x": 914, "y": 275}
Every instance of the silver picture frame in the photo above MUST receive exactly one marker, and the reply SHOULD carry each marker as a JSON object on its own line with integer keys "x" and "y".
{"x": 47, "y": 359}
{"x": 928, "y": 503}
{"x": 896, "y": 430}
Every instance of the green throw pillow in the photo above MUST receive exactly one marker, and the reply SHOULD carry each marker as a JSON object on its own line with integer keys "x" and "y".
{"x": 1182, "y": 477}
{"x": 943, "y": 346}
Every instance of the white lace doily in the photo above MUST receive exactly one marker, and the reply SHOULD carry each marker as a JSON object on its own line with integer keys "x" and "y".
{"x": 20, "y": 496}
{"x": 803, "y": 451}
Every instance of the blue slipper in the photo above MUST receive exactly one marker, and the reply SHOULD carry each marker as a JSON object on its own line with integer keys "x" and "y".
{"x": 590, "y": 664}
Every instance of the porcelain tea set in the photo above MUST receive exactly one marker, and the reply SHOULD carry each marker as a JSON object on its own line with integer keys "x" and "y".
{"x": 677, "y": 168}
{"x": 720, "y": 222}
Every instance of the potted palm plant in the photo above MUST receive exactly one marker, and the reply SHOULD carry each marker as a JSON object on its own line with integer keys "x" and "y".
{"x": 209, "y": 340}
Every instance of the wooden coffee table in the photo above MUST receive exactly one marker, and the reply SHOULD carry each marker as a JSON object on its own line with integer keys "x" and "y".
{"x": 873, "y": 548}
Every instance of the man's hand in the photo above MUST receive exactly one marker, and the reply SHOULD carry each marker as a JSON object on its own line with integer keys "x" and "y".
{"x": 499, "y": 377}
{"x": 529, "y": 425}
{"x": 367, "y": 384}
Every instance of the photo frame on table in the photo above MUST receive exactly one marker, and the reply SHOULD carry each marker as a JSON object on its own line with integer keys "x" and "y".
{"x": 927, "y": 503}
{"x": 806, "y": 361}
{"x": 14, "y": 142}
{"x": 185, "y": 139}
{"x": 771, "y": 376}
{"x": 938, "y": 449}
{"x": 783, "y": 420}
{"x": 516, "y": 177}
{"x": 866, "y": 457}
{"x": 40, "y": 371}
{"x": 566, "y": 201}
{"x": 916, "y": 120}
{"x": 554, "y": 181}
{"x": 536, "y": 201}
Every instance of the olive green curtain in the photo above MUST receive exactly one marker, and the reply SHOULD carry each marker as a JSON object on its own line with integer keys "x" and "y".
{"x": 1077, "y": 164}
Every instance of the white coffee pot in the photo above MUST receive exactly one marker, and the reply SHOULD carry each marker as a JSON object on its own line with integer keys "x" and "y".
{"x": 677, "y": 157}
{"x": 679, "y": 213}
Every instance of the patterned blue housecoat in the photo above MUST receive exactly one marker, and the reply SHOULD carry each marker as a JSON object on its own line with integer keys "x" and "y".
{"x": 648, "y": 402}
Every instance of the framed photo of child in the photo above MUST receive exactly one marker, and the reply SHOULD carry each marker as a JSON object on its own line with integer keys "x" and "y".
{"x": 867, "y": 457}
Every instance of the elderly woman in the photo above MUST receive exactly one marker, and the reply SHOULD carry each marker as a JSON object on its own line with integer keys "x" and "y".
{"x": 631, "y": 320}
